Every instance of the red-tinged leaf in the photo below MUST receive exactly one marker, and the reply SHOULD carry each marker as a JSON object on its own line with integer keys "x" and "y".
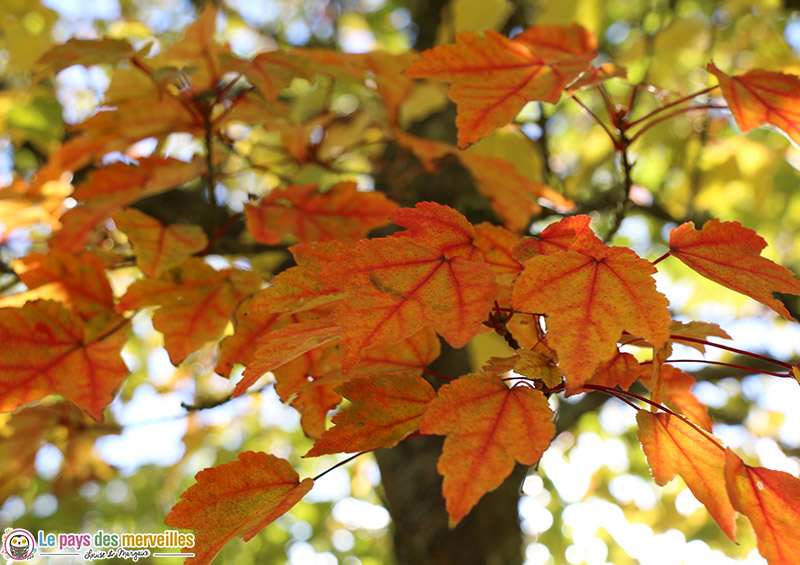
{"x": 493, "y": 77}
{"x": 771, "y": 500}
{"x": 239, "y": 498}
{"x": 511, "y": 194}
{"x": 730, "y": 254}
{"x": 86, "y": 52}
{"x": 158, "y": 247}
{"x": 196, "y": 302}
{"x": 497, "y": 244}
{"x": 272, "y": 72}
{"x": 314, "y": 401}
{"x": 758, "y": 98}
{"x": 397, "y": 286}
{"x": 44, "y": 350}
{"x": 78, "y": 281}
{"x": 676, "y": 390}
{"x": 572, "y": 232}
{"x": 672, "y": 447}
{"x": 589, "y": 299}
{"x": 285, "y": 344}
{"x": 622, "y": 370}
{"x": 438, "y": 226}
{"x": 109, "y": 189}
{"x": 597, "y": 75}
{"x": 306, "y": 214}
{"x": 197, "y": 54}
{"x": 137, "y": 119}
{"x": 411, "y": 355}
{"x": 384, "y": 410}
{"x": 696, "y": 330}
{"x": 489, "y": 427}
{"x": 66, "y": 427}
{"x": 249, "y": 326}
{"x": 23, "y": 205}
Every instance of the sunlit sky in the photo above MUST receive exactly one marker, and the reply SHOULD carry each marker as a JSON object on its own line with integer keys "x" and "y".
{"x": 154, "y": 422}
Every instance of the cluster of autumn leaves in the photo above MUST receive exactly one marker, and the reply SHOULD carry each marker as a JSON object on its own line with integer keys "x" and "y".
{"x": 360, "y": 318}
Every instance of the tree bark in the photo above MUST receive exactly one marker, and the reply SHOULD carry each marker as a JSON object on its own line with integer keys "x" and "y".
{"x": 489, "y": 535}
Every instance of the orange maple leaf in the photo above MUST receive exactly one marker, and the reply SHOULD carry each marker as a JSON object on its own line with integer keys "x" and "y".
{"x": 44, "y": 350}
{"x": 239, "y": 498}
{"x": 411, "y": 355}
{"x": 249, "y": 326}
{"x": 196, "y": 302}
{"x": 672, "y": 447}
{"x": 570, "y": 233}
{"x": 771, "y": 500}
{"x": 759, "y": 97}
{"x": 384, "y": 410}
{"x": 109, "y": 189}
{"x": 397, "y": 285}
{"x": 158, "y": 247}
{"x": 489, "y": 427}
{"x": 300, "y": 288}
{"x": 621, "y": 370}
{"x": 589, "y": 298}
{"x": 85, "y": 52}
{"x": 730, "y": 254}
{"x": 493, "y": 77}
{"x": 285, "y": 344}
{"x": 76, "y": 280}
{"x": 676, "y": 389}
{"x": 343, "y": 213}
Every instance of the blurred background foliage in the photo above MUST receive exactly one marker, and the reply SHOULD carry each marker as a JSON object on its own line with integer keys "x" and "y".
{"x": 591, "y": 500}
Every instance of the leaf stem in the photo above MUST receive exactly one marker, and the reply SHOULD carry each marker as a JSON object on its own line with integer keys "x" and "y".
{"x": 671, "y": 105}
{"x": 220, "y": 232}
{"x": 586, "y": 109}
{"x": 681, "y": 417}
{"x": 664, "y": 256}
{"x": 648, "y": 125}
{"x": 732, "y": 365}
{"x": 437, "y": 375}
{"x": 359, "y": 454}
{"x": 732, "y": 349}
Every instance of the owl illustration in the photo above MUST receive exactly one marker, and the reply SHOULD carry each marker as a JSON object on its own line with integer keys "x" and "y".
{"x": 19, "y": 545}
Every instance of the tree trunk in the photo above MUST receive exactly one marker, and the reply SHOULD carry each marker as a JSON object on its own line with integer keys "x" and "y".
{"x": 413, "y": 487}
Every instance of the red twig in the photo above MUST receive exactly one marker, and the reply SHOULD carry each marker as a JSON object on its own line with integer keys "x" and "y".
{"x": 359, "y": 454}
{"x": 732, "y": 365}
{"x": 438, "y": 375}
{"x": 732, "y": 349}
{"x": 220, "y": 232}
{"x": 664, "y": 256}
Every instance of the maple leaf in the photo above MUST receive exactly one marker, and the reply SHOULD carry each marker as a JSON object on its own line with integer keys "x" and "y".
{"x": 343, "y": 213}
{"x": 696, "y": 330}
{"x": 23, "y": 205}
{"x": 44, "y": 350}
{"x": 399, "y": 284}
{"x": 672, "y": 447}
{"x": 300, "y": 288}
{"x": 285, "y": 344}
{"x": 111, "y": 188}
{"x": 621, "y": 370}
{"x": 85, "y": 52}
{"x": 573, "y": 232}
{"x": 77, "y": 281}
{"x": 249, "y": 326}
{"x": 676, "y": 388}
{"x": 196, "y": 303}
{"x": 159, "y": 247}
{"x": 539, "y": 365}
{"x": 589, "y": 299}
{"x": 493, "y": 77}
{"x": 770, "y": 500}
{"x": 730, "y": 254}
{"x": 411, "y": 355}
{"x": 760, "y": 97}
{"x": 384, "y": 410}
{"x": 239, "y": 498}
{"x": 489, "y": 427}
